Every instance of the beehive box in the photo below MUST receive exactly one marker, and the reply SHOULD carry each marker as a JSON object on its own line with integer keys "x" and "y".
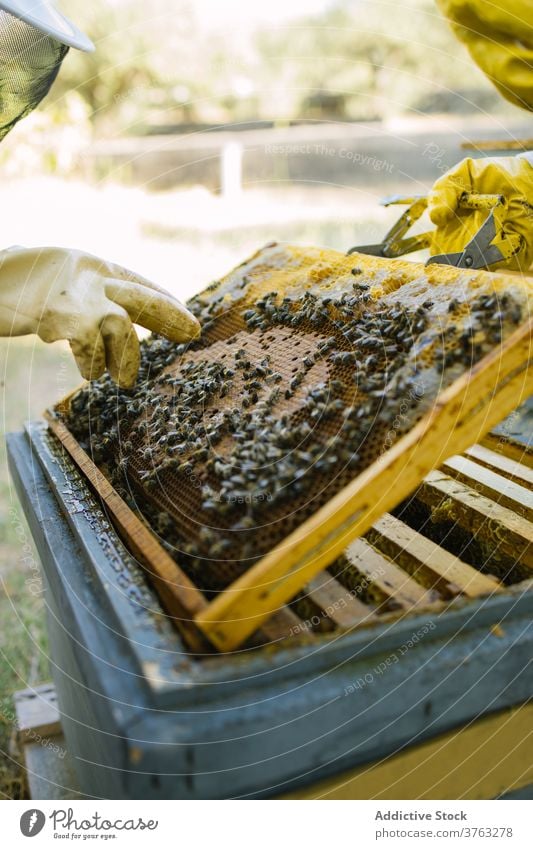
{"x": 146, "y": 718}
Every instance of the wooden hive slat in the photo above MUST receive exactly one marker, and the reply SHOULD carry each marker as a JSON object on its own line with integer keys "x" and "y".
{"x": 480, "y": 515}
{"x": 512, "y": 450}
{"x": 337, "y": 602}
{"x": 517, "y": 472}
{"x": 419, "y": 555}
{"x": 491, "y": 484}
{"x": 393, "y": 582}
{"x": 283, "y": 623}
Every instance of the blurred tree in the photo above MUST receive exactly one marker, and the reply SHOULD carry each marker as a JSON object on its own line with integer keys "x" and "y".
{"x": 159, "y": 65}
{"x": 146, "y": 56}
{"x": 377, "y": 57}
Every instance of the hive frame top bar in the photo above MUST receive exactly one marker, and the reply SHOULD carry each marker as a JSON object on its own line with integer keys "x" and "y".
{"x": 467, "y": 410}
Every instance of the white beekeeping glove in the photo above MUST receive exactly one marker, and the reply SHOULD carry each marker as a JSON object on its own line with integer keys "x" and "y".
{"x": 67, "y": 294}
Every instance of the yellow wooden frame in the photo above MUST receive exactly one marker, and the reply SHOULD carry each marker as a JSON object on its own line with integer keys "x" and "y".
{"x": 460, "y": 417}
{"x": 462, "y": 414}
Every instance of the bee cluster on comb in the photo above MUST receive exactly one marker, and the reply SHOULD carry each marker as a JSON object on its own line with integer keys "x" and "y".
{"x": 299, "y": 381}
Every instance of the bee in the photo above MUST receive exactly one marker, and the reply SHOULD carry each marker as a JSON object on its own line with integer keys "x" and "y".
{"x": 246, "y": 523}
{"x": 170, "y": 464}
{"x": 272, "y": 398}
{"x": 123, "y": 463}
{"x": 318, "y": 394}
{"x": 371, "y": 361}
{"x": 515, "y": 314}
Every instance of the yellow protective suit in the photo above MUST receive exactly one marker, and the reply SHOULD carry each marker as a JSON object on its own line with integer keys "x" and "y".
{"x": 499, "y": 36}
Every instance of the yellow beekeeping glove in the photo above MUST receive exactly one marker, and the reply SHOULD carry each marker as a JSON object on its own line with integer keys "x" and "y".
{"x": 511, "y": 177}
{"x": 499, "y": 37}
{"x": 66, "y": 294}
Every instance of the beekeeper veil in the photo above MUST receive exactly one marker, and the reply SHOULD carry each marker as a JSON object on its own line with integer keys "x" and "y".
{"x": 34, "y": 40}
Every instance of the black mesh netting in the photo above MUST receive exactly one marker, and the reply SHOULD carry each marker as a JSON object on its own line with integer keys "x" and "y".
{"x": 29, "y": 63}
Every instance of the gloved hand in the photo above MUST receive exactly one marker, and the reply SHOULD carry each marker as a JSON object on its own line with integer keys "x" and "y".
{"x": 509, "y": 176}
{"x": 66, "y": 294}
{"x": 499, "y": 37}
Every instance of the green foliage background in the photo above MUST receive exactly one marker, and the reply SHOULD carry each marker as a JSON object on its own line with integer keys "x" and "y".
{"x": 160, "y": 63}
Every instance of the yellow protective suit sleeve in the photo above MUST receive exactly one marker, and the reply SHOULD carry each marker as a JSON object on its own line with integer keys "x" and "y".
{"x": 499, "y": 37}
